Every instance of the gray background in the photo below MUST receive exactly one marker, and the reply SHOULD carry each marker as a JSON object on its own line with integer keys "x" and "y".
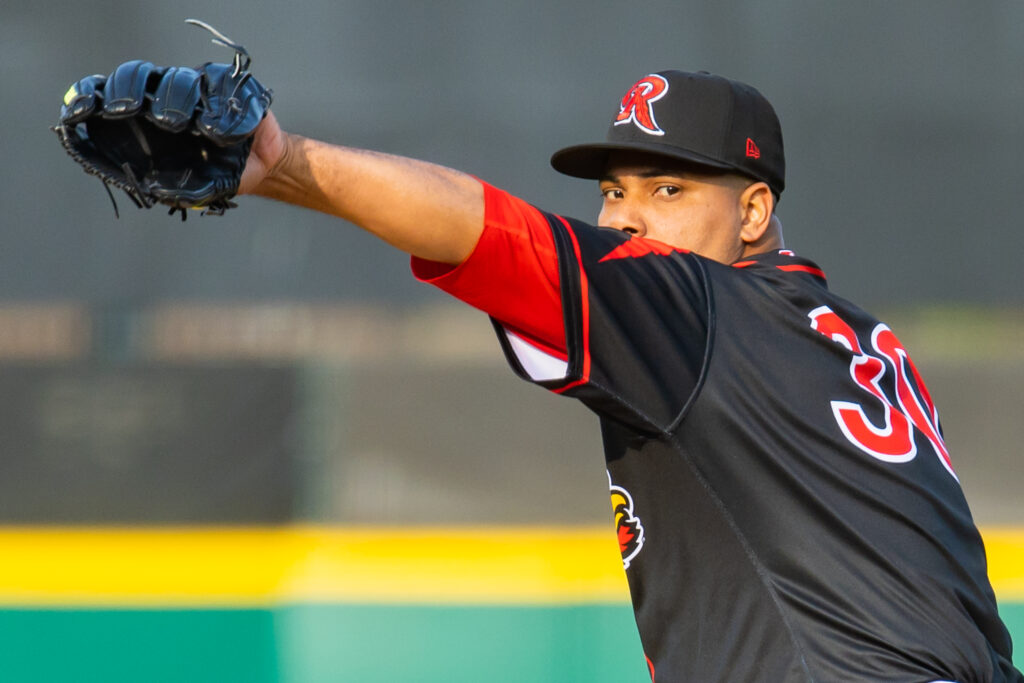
{"x": 904, "y": 142}
{"x": 902, "y": 123}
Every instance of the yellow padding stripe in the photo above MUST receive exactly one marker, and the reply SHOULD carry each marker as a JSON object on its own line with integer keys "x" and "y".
{"x": 264, "y": 566}
{"x": 1005, "y": 549}
{"x": 46, "y": 566}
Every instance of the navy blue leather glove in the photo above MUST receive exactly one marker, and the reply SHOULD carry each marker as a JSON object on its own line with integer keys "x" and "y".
{"x": 175, "y": 136}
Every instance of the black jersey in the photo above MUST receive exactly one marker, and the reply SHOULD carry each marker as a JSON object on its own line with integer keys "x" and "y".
{"x": 785, "y": 505}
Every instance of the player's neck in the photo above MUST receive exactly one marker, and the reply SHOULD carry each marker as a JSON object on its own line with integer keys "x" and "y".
{"x": 770, "y": 240}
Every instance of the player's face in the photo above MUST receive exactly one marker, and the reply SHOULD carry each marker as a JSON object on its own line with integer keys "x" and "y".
{"x": 645, "y": 196}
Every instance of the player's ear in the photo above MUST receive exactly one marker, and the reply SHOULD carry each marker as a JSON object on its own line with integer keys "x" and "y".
{"x": 756, "y": 206}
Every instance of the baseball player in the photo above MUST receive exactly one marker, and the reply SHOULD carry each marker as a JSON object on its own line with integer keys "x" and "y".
{"x": 786, "y": 507}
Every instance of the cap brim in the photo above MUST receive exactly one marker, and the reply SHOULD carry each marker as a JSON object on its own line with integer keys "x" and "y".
{"x": 591, "y": 161}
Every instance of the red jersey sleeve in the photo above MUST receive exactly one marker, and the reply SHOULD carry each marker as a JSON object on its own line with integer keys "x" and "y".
{"x": 512, "y": 273}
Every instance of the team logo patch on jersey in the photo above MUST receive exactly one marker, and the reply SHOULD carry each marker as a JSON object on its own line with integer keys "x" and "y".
{"x": 628, "y": 528}
{"x": 637, "y": 105}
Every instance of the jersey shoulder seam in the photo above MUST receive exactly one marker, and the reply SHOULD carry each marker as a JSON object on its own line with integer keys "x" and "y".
{"x": 709, "y": 343}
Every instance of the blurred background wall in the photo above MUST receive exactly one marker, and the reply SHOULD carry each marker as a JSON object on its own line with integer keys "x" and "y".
{"x": 277, "y": 368}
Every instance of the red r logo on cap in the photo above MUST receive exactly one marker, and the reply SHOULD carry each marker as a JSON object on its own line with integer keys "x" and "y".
{"x": 636, "y": 106}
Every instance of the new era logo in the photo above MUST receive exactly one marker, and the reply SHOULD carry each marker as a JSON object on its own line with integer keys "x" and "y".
{"x": 752, "y": 151}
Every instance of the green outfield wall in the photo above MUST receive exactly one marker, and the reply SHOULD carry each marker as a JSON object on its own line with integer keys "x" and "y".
{"x": 330, "y": 643}
{"x": 324, "y": 643}
{"x": 326, "y": 604}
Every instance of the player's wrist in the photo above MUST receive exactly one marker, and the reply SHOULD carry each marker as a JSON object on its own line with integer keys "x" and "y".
{"x": 269, "y": 166}
{"x": 281, "y": 167}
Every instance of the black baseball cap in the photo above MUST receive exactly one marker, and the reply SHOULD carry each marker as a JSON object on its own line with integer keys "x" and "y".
{"x": 697, "y": 117}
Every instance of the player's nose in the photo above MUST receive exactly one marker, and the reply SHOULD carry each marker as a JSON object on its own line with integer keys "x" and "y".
{"x": 624, "y": 219}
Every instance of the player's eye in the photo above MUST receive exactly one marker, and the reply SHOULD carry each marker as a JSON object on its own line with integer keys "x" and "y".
{"x": 611, "y": 193}
{"x": 668, "y": 190}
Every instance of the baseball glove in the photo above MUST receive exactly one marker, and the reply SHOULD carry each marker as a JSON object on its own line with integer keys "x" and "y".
{"x": 167, "y": 135}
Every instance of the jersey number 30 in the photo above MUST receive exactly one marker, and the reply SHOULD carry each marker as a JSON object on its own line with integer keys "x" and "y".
{"x": 894, "y": 440}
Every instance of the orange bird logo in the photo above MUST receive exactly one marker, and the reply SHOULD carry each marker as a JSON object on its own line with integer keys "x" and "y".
{"x": 628, "y": 528}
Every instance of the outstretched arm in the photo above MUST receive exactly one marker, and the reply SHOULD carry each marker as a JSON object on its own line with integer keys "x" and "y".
{"x": 423, "y": 209}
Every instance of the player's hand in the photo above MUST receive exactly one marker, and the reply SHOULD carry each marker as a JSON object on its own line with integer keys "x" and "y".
{"x": 268, "y": 149}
